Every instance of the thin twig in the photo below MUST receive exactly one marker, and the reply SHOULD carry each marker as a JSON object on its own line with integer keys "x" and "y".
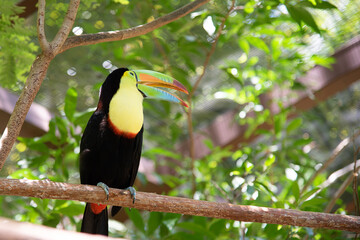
{"x": 355, "y": 181}
{"x": 191, "y": 94}
{"x": 338, "y": 193}
{"x": 22, "y": 106}
{"x": 338, "y": 174}
{"x": 160, "y": 203}
{"x": 339, "y": 148}
{"x": 66, "y": 27}
{"x": 343, "y": 186}
{"x": 212, "y": 50}
{"x": 162, "y": 52}
{"x": 44, "y": 44}
{"x": 88, "y": 39}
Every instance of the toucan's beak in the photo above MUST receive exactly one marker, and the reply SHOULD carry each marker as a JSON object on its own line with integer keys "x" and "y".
{"x": 149, "y": 80}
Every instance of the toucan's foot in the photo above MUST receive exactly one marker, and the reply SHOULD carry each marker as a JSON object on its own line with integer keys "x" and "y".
{"x": 132, "y": 193}
{"x": 105, "y": 187}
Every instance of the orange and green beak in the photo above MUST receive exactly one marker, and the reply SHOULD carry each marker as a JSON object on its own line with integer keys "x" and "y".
{"x": 148, "y": 81}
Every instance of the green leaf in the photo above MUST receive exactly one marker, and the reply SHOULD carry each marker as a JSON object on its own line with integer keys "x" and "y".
{"x": 276, "y": 48}
{"x": 248, "y": 166}
{"x": 272, "y": 231}
{"x": 293, "y": 125}
{"x": 270, "y": 160}
{"x": 298, "y": 86}
{"x": 154, "y": 222}
{"x": 182, "y": 235}
{"x": 261, "y": 186}
{"x": 217, "y": 226}
{"x": 296, "y": 190}
{"x": 52, "y": 221}
{"x": 302, "y": 142}
{"x": 209, "y": 144}
{"x": 24, "y": 173}
{"x": 306, "y": 195}
{"x": 318, "y": 5}
{"x": 61, "y": 124}
{"x": 258, "y": 43}
{"x": 70, "y": 103}
{"x": 323, "y": 61}
{"x": 314, "y": 203}
{"x": 249, "y": 7}
{"x": 170, "y": 220}
{"x": 136, "y": 218}
{"x": 162, "y": 152}
{"x": 244, "y": 45}
{"x": 196, "y": 228}
{"x": 71, "y": 209}
{"x": 302, "y": 15}
{"x": 278, "y": 123}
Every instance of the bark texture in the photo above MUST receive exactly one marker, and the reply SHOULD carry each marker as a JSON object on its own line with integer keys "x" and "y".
{"x": 160, "y": 203}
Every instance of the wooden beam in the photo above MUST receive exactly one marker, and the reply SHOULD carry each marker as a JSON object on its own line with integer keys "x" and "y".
{"x": 13, "y": 230}
{"x": 37, "y": 119}
{"x": 30, "y": 8}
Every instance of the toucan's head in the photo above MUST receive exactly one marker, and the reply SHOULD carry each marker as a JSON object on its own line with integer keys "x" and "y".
{"x": 145, "y": 81}
{"x": 122, "y": 94}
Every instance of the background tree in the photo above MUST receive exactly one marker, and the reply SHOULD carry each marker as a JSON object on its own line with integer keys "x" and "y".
{"x": 228, "y": 53}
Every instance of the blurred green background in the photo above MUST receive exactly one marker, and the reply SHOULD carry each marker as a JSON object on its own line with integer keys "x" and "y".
{"x": 265, "y": 45}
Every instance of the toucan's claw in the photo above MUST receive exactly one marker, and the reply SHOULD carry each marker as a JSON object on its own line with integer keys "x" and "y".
{"x": 105, "y": 187}
{"x": 132, "y": 193}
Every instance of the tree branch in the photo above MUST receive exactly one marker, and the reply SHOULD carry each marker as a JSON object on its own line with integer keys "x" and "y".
{"x": 338, "y": 193}
{"x": 159, "y": 203}
{"x": 339, "y": 148}
{"x": 339, "y": 173}
{"x": 65, "y": 29}
{"x": 27, "y": 96}
{"x": 88, "y": 39}
{"x": 41, "y": 26}
{"x": 191, "y": 94}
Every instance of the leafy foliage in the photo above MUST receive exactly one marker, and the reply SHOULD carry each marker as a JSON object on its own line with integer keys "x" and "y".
{"x": 17, "y": 50}
{"x": 264, "y": 46}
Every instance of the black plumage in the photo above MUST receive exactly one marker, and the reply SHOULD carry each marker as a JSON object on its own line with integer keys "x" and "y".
{"x": 106, "y": 156}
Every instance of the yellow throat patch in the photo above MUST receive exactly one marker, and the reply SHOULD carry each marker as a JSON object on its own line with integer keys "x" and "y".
{"x": 126, "y": 109}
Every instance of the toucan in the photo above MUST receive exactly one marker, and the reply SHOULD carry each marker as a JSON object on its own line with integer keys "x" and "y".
{"x": 111, "y": 144}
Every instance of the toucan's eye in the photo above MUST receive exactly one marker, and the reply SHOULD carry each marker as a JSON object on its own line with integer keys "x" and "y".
{"x": 131, "y": 73}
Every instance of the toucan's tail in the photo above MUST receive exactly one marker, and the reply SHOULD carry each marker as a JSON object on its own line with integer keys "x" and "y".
{"x": 95, "y": 221}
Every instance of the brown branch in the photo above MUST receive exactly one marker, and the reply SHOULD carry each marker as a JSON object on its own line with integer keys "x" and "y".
{"x": 44, "y": 44}
{"x": 339, "y": 148}
{"x": 159, "y": 203}
{"x": 14, "y": 230}
{"x": 163, "y": 53}
{"x": 339, "y": 193}
{"x": 333, "y": 177}
{"x": 87, "y": 39}
{"x": 212, "y": 50}
{"x": 338, "y": 174}
{"x": 17, "y": 118}
{"x": 355, "y": 182}
{"x": 66, "y": 26}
